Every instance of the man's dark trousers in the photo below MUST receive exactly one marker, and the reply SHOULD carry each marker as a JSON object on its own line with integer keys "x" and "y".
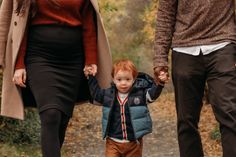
{"x": 189, "y": 74}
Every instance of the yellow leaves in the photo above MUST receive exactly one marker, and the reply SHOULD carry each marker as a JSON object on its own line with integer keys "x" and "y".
{"x": 149, "y": 19}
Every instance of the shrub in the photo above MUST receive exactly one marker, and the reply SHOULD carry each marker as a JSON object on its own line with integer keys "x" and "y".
{"x": 20, "y": 132}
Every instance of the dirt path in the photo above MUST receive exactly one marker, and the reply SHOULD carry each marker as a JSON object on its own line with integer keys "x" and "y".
{"x": 161, "y": 143}
{"x": 84, "y": 133}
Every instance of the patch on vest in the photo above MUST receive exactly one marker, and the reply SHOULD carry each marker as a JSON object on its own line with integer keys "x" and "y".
{"x": 136, "y": 101}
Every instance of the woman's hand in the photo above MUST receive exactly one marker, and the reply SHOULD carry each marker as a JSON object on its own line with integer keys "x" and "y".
{"x": 19, "y": 77}
{"x": 90, "y": 69}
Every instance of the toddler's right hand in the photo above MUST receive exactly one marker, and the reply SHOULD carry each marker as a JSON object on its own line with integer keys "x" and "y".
{"x": 90, "y": 69}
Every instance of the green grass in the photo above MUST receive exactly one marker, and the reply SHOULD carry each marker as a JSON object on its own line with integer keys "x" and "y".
{"x": 8, "y": 150}
{"x": 215, "y": 133}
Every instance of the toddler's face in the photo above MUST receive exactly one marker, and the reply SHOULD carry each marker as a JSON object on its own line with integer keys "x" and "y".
{"x": 123, "y": 81}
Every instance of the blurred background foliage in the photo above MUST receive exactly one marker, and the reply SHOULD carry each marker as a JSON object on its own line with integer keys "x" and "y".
{"x": 130, "y": 28}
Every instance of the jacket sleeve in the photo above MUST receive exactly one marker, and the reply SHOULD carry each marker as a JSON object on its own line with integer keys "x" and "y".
{"x": 6, "y": 11}
{"x": 96, "y": 92}
{"x": 166, "y": 18}
{"x": 153, "y": 93}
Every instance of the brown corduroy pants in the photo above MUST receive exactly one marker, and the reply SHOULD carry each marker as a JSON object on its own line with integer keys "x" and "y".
{"x": 131, "y": 149}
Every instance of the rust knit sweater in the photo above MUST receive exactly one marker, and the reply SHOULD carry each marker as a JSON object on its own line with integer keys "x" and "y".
{"x": 72, "y": 13}
{"x": 182, "y": 23}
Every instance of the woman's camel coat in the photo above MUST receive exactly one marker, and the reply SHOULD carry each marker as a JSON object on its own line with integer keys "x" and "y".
{"x": 12, "y": 27}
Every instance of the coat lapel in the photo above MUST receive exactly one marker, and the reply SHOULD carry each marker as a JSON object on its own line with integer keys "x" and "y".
{"x": 95, "y": 5}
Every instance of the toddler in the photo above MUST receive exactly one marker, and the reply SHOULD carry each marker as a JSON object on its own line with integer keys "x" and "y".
{"x": 126, "y": 117}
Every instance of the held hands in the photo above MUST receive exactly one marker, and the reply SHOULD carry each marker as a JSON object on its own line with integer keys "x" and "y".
{"x": 90, "y": 69}
{"x": 19, "y": 77}
{"x": 161, "y": 75}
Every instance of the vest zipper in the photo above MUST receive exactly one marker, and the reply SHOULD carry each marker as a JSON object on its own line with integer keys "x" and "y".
{"x": 131, "y": 120}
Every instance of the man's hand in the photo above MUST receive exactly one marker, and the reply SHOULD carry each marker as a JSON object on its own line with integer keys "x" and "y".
{"x": 161, "y": 75}
{"x": 19, "y": 77}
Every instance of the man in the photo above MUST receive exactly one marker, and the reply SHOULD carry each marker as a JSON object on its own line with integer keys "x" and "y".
{"x": 202, "y": 35}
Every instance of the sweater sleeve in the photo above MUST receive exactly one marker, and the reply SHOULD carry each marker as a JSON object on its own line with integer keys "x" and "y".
{"x": 89, "y": 34}
{"x": 166, "y": 18}
{"x": 22, "y": 51}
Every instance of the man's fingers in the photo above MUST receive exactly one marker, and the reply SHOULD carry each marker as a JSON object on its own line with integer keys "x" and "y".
{"x": 160, "y": 70}
{"x": 161, "y": 75}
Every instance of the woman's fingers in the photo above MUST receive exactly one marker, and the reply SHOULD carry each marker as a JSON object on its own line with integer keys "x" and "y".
{"x": 86, "y": 70}
{"x": 94, "y": 69}
{"x": 24, "y": 77}
{"x": 19, "y": 77}
{"x": 19, "y": 81}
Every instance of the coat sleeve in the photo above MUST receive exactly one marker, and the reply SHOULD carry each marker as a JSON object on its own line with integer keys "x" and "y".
{"x": 166, "y": 18}
{"x": 6, "y": 11}
{"x": 95, "y": 90}
{"x": 153, "y": 93}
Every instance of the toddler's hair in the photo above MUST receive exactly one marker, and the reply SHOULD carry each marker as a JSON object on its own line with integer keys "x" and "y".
{"x": 125, "y": 65}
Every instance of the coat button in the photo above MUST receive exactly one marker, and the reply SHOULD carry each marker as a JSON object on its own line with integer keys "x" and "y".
{"x": 15, "y": 23}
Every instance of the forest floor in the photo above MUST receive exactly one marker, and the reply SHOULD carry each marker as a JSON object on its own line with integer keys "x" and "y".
{"x": 84, "y": 139}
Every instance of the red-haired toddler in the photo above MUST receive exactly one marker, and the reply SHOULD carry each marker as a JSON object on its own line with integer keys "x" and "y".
{"x": 126, "y": 117}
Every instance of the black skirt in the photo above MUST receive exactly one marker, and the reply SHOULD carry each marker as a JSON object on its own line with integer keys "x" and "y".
{"x": 54, "y": 65}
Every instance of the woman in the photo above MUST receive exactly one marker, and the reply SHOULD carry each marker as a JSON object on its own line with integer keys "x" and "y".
{"x": 44, "y": 46}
